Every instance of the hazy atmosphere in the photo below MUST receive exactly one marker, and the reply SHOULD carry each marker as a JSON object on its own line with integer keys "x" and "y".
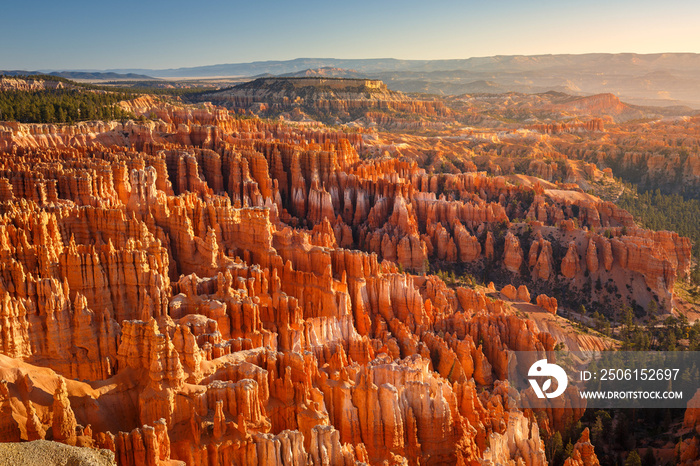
{"x": 130, "y": 34}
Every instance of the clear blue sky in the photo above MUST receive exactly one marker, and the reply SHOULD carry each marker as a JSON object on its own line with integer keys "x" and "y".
{"x": 79, "y": 34}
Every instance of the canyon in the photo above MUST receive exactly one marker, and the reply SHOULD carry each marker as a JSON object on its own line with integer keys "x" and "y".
{"x": 204, "y": 286}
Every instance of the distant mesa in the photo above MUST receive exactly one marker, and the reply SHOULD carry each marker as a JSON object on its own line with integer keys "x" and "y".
{"x": 313, "y": 99}
{"x": 328, "y": 72}
{"x": 316, "y": 82}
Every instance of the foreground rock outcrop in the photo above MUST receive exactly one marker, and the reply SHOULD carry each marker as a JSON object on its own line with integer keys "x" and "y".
{"x": 44, "y": 453}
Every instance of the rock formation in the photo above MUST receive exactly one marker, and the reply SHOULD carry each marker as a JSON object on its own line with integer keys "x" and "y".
{"x": 513, "y": 254}
{"x": 63, "y": 424}
{"x": 244, "y": 291}
{"x": 570, "y": 263}
{"x": 9, "y": 428}
{"x": 583, "y": 454}
{"x": 547, "y": 303}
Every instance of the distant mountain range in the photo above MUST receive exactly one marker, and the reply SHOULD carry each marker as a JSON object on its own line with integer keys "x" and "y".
{"x": 82, "y": 75}
{"x": 619, "y": 63}
{"x": 650, "y": 79}
{"x": 643, "y": 79}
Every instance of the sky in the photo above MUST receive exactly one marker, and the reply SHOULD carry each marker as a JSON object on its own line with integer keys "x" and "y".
{"x": 156, "y": 34}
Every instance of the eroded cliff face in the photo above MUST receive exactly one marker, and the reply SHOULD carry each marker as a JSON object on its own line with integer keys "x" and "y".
{"x": 217, "y": 290}
{"x": 364, "y": 102}
{"x": 28, "y": 84}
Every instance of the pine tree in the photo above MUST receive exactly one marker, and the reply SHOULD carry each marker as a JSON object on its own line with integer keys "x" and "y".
{"x": 555, "y": 448}
{"x": 649, "y": 459}
{"x": 633, "y": 459}
{"x": 597, "y": 430}
{"x": 568, "y": 451}
{"x": 653, "y": 308}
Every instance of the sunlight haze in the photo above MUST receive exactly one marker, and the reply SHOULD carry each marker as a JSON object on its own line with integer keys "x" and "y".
{"x": 155, "y": 35}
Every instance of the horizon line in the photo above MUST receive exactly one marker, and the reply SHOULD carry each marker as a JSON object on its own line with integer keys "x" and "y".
{"x": 124, "y": 68}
